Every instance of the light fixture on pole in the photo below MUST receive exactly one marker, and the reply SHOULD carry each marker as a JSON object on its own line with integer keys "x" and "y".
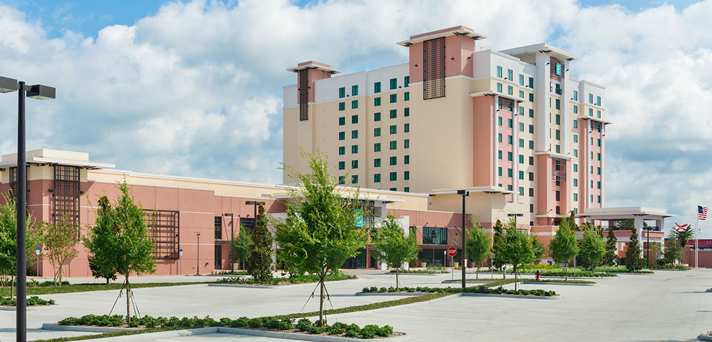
{"x": 464, "y": 194}
{"x": 38, "y": 92}
{"x": 515, "y": 215}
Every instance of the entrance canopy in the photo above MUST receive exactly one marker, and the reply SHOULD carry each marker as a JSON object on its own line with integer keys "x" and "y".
{"x": 638, "y": 214}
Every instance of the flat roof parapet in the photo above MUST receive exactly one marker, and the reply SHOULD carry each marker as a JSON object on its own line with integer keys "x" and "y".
{"x": 459, "y": 30}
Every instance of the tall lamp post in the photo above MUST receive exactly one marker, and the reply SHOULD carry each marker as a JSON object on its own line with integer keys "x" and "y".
{"x": 197, "y": 255}
{"x": 515, "y": 217}
{"x": 464, "y": 194}
{"x": 39, "y": 92}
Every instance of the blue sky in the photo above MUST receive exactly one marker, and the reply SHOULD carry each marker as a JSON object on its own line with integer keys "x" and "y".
{"x": 194, "y": 88}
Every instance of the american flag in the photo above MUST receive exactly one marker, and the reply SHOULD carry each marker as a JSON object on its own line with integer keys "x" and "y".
{"x": 701, "y": 213}
{"x": 681, "y": 227}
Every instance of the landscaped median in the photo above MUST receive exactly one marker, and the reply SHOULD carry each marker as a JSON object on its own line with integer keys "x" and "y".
{"x": 276, "y": 281}
{"x": 280, "y": 324}
{"x": 572, "y": 282}
{"x": 482, "y": 290}
{"x": 7, "y": 303}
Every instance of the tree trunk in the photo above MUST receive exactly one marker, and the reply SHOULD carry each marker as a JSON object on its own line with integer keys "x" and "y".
{"x": 397, "y": 269}
{"x": 516, "y": 278}
{"x": 504, "y": 272}
{"x": 477, "y": 271}
{"x": 321, "y": 300}
{"x": 128, "y": 301}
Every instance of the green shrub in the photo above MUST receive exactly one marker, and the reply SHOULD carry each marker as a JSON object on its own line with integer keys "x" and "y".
{"x": 353, "y": 330}
{"x": 369, "y": 331}
{"x": 304, "y": 324}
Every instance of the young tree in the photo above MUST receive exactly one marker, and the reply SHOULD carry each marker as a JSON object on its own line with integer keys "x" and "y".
{"x": 497, "y": 246}
{"x": 60, "y": 239}
{"x": 593, "y": 248}
{"x": 319, "y": 233}
{"x": 633, "y": 261}
{"x": 517, "y": 249}
{"x": 395, "y": 248}
{"x": 8, "y": 238}
{"x": 537, "y": 248}
{"x": 673, "y": 252}
{"x": 100, "y": 243}
{"x": 563, "y": 246}
{"x": 132, "y": 248}
{"x": 611, "y": 249}
{"x": 478, "y": 247}
{"x": 684, "y": 236}
{"x": 259, "y": 264}
{"x": 243, "y": 246}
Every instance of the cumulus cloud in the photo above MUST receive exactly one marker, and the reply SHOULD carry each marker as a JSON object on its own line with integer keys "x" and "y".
{"x": 195, "y": 88}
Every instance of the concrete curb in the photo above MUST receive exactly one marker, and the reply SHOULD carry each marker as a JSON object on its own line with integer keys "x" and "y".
{"x": 473, "y": 294}
{"x": 474, "y": 281}
{"x": 395, "y": 294}
{"x": 85, "y": 328}
{"x": 247, "y": 286}
{"x": 29, "y": 307}
{"x": 562, "y": 283}
{"x": 287, "y": 335}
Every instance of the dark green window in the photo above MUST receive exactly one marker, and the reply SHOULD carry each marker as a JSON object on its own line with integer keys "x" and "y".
{"x": 393, "y": 129}
{"x": 531, "y": 97}
{"x": 406, "y": 189}
{"x": 354, "y": 179}
{"x": 376, "y": 101}
{"x": 342, "y": 165}
{"x": 354, "y": 164}
{"x": 342, "y": 180}
{"x": 510, "y": 140}
{"x": 393, "y": 113}
{"x": 531, "y": 82}
{"x": 354, "y": 149}
{"x": 377, "y": 132}
{"x": 406, "y": 112}
{"x": 394, "y": 83}
{"x": 499, "y": 121}
{"x": 406, "y": 128}
{"x": 342, "y": 135}
{"x": 376, "y": 177}
{"x": 499, "y": 171}
{"x": 406, "y": 175}
{"x": 557, "y": 104}
{"x": 342, "y": 150}
{"x": 354, "y": 119}
{"x": 354, "y": 90}
{"x": 377, "y": 147}
{"x": 510, "y": 75}
{"x": 393, "y": 161}
{"x": 509, "y": 156}
{"x": 342, "y": 121}
{"x": 406, "y": 96}
{"x": 393, "y": 145}
{"x": 406, "y": 143}
{"x": 354, "y": 104}
{"x": 510, "y": 173}
{"x": 377, "y": 116}
{"x": 377, "y": 87}
{"x": 531, "y": 113}
{"x": 406, "y": 159}
{"x": 377, "y": 162}
{"x": 342, "y": 106}
{"x": 354, "y": 134}
{"x": 393, "y": 98}
{"x": 499, "y": 154}
{"x": 500, "y": 71}
{"x": 393, "y": 189}
{"x": 342, "y": 92}
{"x": 406, "y": 81}
{"x": 510, "y": 123}
{"x": 393, "y": 176}
{"x": 521, "y": 159}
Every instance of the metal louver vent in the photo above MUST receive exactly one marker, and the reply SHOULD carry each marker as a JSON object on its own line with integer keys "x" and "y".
{"x": 434, "y": 68}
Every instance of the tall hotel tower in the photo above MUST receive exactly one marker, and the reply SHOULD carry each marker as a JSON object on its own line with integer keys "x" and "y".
{"x": 511, "y": 127}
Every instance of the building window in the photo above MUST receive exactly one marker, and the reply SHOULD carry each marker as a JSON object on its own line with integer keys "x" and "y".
{"x": 377, "y": 87}
{"x": 376, "y": 177}
{"x": 510, "y": 90}
{"x": 500, "y": 71}
{"x": 393, "y": 176}
{"x": 531, "y": 174}
{"x": 354, "y": 164}
{"x": 590, "y": 98}
{"x": 531, "y": 144}
{"x": 342, "y": 165}
{"x": 164, "y": 233}
{"x": 393, "y": 160}
{"x": 406, "y": 189}
{"x": 406, "y": 143}
{"x": 354, "y": 149}
{"x": 434, "y": 236}
{"x": 521, "y": 143}
{"x": 531, "y": 192}
{"x": 406, "y": 81}
{"x": 531, "y": 129}
{"x": 377, "y": 132}
{"x": 510, "y": 75}
{"x": 521, "y": 191}
{"x": 394, "y": 83}
{"x": 509, "y": 156}
{"x": 377, "y": 147}
{"x": 377, "y": 162}
{"x": 521, "y": 175}
{"x": 342, "y": 180}
{"x": 393, "y": 145}
{"x": 598, "y": 101}
{"x": 521, "y": 80}
{"x": 531, "y": 113}
{"x": 575, "y": 197}
{"x": 521, "y": 159}
{"x": 393, "y": 98}
{"x": 354, "y": 90}
{"x": 354, "y": 119}
{"x": 531, "y": 82}
{"x": 406, "y": 175}
{"x": 557, "y": 134}
{"x": 406, "y": 159}
{"x": 342, "y": 92}
{"x": 342, "y": 150}
{"x": 354, "y": 179}
{"x": 393, "y": 129}
{"x": 499, "y": 87}
{"x": 575, "y": 123}
{"x": 393, "y": 113}
{"x": 342, "y": 106}
{"x": 499, "y": 154}
{"x": 376, "y": 101}
{"x": 406, "y": 128}
{"x": 406, "y": 112}
{"x": 575, "y": 109}
{"x": 557, "y": 104}
{"x": 342, "y": 121}
{"x": 406, "y": 96}
{"x": 354, "y": 104}
{"x": 377, "y": 116}
{"x": 342, "y": 135}
{"x": 354, "y": 134}
{"x": 510, "y": 172}
{"x": 575, "y": 95}
{"x": 499, "y": 171}
{"x": 575, "y": 138}
{"x": 531, "y": 97}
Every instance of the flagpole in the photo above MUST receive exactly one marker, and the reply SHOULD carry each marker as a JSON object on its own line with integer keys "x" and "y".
{"x": 697, "y": 228}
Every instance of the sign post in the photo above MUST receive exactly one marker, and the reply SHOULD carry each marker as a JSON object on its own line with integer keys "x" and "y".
{"x": 451, "y": 251}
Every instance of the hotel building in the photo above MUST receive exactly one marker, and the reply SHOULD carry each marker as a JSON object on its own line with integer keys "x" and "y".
{"x": 512, "y": 127}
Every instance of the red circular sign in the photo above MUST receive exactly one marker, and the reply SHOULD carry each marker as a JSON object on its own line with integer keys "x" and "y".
{"x": 451, "y": 251}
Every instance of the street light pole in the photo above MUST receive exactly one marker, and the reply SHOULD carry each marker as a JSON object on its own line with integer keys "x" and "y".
{"x": 39, "y": 92}
{"x": 463, "y": 193}
{"x": 197, "y": 256}
{"x": 20, "y": 203}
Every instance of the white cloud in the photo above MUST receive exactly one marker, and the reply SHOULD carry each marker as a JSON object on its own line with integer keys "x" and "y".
{"x": 195, "y": 89}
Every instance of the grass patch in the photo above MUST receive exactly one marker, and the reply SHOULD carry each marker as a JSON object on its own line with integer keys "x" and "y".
{"x": 53, "y": 289}
{"x": 559, "y": 282}
{"x": 426, "y": 271}
{"x": 294, "y": 279}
